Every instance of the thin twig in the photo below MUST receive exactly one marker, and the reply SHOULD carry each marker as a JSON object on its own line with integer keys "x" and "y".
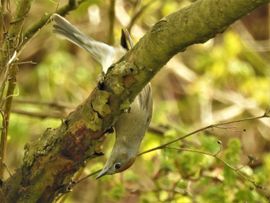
{"x": 111, "y": 22}
{"x": 259, "y": 188}
{"x": 58, "y": 105}
{"x": 25, "y": 62}
{"x": 72, "y": 5}
{"x": 6, "y": 114}
{"x": 138, "y": 14}
{"x": 8, "y": 56}
{"x": 87, "y": 176}
{"x": 40, "y": 115}
{"x": 10, "y": 60}
{"x": 158, "y": 130}
{"x": 236, "y": 170}
{"x": 63, "y": 196}
{"x": 265, "y": 115}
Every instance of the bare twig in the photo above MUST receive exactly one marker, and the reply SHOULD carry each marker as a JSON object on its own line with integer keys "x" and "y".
{"x": 63, "y": 196}
{"x": 87, "y": 176}
{"x": 77, "y": 138}
{"x": 138, "y": 13}
{"x": 158, "y": 130}
{"x": 235, "y": 169}
{"x": 6, "y": 114}
{"x": 40, "y": 115}
{"x": 8, "y": 71}
{"x": 111, "y": 22}
{"x": 72, "y": 5}
{"x": 5, "y": 18}
{"x": 265, "y": 115}
{"x": 25, "y": 62}
{"x": 58, "y": 105}
{"x": 259, "y": 188}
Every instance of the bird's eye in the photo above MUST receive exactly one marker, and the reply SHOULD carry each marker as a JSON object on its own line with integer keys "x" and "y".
{"x": 117, "y": 166}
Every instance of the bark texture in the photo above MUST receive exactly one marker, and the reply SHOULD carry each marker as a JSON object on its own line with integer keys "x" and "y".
{"x": 51, "y": 161}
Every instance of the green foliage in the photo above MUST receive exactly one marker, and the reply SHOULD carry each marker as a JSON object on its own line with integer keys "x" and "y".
{"x": 210, "y": 144}
{"x": 213, "y": 193}
{"x": 231, "y": 155}
{"x": 189, "y": 164}
{"x": 117, "y": 192}
{"x": 230, "y": 80}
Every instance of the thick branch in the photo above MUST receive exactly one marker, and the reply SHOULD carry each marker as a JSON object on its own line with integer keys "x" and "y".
{"x": 51, "y": 161}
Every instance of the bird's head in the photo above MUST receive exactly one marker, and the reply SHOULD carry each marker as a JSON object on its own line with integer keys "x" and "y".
{"x": 117, "y": 164}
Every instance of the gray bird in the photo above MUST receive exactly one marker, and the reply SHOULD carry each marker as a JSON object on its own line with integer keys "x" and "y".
{"x": 131, "y": 126}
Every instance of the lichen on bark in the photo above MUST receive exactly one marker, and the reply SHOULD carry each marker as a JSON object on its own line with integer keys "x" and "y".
{"x": 51, "y": 161}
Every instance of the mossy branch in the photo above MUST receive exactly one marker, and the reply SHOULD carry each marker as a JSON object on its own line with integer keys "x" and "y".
{"x": 8, "y": 72}
{"x": 50, "y": 162}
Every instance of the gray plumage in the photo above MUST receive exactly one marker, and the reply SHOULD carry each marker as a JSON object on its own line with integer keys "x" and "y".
{"x": 104, "y": 54}
{"x": 130, "y": 129}
{"x": 131, "y": 126}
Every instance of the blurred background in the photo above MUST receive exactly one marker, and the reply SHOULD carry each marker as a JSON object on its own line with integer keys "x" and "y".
{"x": 227, "y": 78}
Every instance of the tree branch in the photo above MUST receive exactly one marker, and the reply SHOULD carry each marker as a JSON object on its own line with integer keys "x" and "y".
{"x": 51, "y": 104}
{"x": 165, "y": 145}
{"x": 71, "y": 5}
{"x": 111, "y": 22}
{"x": 8, "y": 71}
{"x": 41, "y": 115}
{"x": 50, "y": 162}
{"x": 138, "y": 13}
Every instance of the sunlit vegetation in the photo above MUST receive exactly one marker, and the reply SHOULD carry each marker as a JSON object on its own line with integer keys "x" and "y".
{"x": 220, "y": 88}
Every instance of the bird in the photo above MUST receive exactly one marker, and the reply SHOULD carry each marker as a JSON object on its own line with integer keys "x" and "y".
{"x": 130, "y": 126}
{"x": 103, "y": 53}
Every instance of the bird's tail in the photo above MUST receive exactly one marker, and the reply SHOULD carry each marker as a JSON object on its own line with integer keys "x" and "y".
{"x": 101, "y": 52}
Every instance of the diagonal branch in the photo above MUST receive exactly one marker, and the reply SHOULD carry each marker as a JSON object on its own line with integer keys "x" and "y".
{"x": 50, "y": 162}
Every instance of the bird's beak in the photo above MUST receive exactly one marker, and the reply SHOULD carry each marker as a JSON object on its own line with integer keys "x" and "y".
{"x": 102, "y": 173}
